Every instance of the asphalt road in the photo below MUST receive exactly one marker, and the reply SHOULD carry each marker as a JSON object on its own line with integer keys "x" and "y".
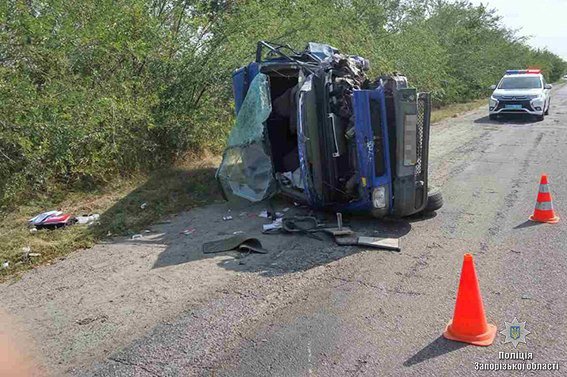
{"x": 157, "y": 307}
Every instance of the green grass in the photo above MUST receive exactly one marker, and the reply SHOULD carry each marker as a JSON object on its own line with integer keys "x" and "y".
{"x": 454, "y": 110}
{"x": 166, "y": 192}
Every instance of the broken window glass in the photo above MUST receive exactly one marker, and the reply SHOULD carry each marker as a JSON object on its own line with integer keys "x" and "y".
{"x": 246, "y": 169}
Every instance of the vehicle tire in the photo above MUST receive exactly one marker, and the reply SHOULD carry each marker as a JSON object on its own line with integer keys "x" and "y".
{"x": 547, "y": 110}
{"x": 493, "y": 117}
{"x": 434, "y": 200}
{"x": 539, "y": 118}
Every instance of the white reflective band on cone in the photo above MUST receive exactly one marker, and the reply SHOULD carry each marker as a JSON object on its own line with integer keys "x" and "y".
{"x": 543, "y": 188}
{"x": 544, "y": 206}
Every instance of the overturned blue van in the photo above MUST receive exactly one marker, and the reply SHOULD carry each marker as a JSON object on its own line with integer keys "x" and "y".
{"x": 311, "y": 126}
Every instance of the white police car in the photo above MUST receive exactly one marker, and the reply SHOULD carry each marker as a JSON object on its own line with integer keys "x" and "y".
{"x": 520, "y": 92}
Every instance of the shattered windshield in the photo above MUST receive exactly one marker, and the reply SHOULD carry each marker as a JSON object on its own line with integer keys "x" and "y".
{"x": 246, "y": 169}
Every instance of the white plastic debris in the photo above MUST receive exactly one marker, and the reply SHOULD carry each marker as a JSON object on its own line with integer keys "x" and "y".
{"x": 143, "y": 205}
{"x": 6, "y": 264}
{"x": 263, "y": 214}
{"x": 277, "y": 224}
{"x": 227, "y": 217}
{"x": 88, "y": 219}
{"x": 188, "y": 231}
{"x": 33, "y": 230}
{"x": 137, "y": 236}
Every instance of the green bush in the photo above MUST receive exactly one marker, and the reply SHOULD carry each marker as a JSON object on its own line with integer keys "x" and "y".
{"x": 93, "y": 89}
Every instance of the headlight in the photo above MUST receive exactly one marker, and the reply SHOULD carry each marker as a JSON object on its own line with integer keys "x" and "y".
{"x": 379, "y": 197}
{"x": 410, "y": 139}
{"x": 492, "y": 102}
{"x": 538, "y": 101}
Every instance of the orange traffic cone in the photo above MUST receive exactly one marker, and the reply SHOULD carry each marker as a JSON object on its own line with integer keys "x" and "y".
{"x": 543, "y": 211}
{"x": 469, "y": 322}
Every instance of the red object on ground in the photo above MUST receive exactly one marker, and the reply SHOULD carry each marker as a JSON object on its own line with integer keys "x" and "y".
{"x": 61, "y": 219}
{"x": 543, "y": 211}
{"x": 469, "y": 321}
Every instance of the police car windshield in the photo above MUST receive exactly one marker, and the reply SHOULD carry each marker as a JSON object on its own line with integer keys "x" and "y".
{"x": 520, "y": 82}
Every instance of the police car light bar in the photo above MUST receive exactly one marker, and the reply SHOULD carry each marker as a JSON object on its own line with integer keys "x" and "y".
{"x": 522, "y": 71}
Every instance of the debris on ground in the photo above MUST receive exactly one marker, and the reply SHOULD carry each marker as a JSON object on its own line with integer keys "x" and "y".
{"x": 5, "y": 264}
{"x": 343, "y": 236}
{"x": 339, "y": 230}
{"x": 276, "y": 224}
{"x": 188, "y": 231}
{"x": 374, "y": 242}
{"x": 264, "y": 214}
{"x": 88, "y": 219}
{"x": 143, "y": 205}
{"x": 136, "y": 236}
{"x": 240, "y": 242}
{"x": 51, "y": 220}
{"x": 27, "y": 254}
{"x": 227, "y": 217}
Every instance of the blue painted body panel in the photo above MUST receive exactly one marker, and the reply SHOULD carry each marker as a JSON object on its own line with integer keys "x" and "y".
{"x": 364, "y": 143}
{"x": 241, "y": 79}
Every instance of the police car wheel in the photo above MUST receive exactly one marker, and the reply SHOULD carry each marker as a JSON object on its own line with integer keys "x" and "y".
{"x": 434, "y": 200}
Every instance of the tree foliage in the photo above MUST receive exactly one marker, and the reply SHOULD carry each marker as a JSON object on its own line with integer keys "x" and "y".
{"x": 92, "y": 89}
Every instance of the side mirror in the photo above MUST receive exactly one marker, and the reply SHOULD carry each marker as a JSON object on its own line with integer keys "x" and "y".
{"x": 548, "y": 86}
{"x": 492, "y": 87}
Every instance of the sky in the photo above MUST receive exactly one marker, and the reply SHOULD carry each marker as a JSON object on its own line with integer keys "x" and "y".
{"x": 544, "y": 20}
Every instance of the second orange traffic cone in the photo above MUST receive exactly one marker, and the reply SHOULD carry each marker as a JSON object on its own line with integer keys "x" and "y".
{"x": 469, "y": 321}
{"x": 543, "y": 211}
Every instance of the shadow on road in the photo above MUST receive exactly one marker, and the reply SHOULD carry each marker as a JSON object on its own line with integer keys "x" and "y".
{"x": 527, "y": 224}
{"x": 438, "y": 347}
{"x": 508, "y": 119}
{"x": 288, "y": 253}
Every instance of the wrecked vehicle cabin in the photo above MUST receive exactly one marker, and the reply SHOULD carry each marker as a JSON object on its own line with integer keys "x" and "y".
{"x": 311, "y": 126}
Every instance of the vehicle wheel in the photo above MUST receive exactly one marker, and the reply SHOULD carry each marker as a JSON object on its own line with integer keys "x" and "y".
{"x": 547, "y": 111}
{"x": 434, "y": 200}
{"x": 539, "y": 118}
{"x": 493, "y": 117}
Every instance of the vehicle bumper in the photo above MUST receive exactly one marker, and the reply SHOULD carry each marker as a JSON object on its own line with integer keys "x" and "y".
{"x": 516, "y": 111}
{"x": 530, "y": 107}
